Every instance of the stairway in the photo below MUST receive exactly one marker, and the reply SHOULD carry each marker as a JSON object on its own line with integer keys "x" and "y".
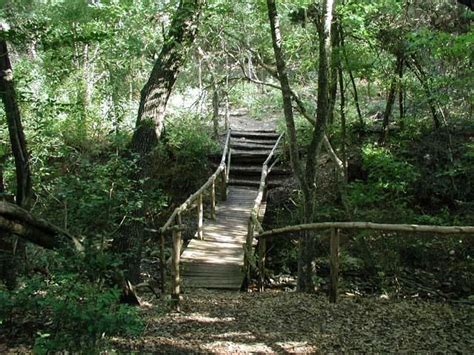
{"x": 250, "y": 149}
{"x": 216, "y": 261}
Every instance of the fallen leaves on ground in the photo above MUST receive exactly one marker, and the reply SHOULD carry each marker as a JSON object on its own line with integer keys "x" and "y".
{"x": 269, "y": 322}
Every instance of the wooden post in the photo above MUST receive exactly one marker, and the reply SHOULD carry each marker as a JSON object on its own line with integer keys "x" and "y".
{"x": 248, "y": 248}
{"x": 162, "y": 262}
{"x": 213, "y": 199}
{"x": 175, "y": 274}
{"x": 228, "y": 165}
{"x": 334, "y": 265}
{"x": 200, "y": 210}
{"x": 262, "y": 249}
{"x": 224, "y": 184}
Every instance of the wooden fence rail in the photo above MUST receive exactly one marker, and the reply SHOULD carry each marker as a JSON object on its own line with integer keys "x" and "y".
{"x": 335, "y": 228}
{"x": 254, "y": 223}
{"x": 174, "y": 222}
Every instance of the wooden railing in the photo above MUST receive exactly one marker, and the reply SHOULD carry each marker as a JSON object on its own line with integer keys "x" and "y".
{"x": 254, "y": 223}
{"x": 174, "y": 222}
{"x": 335, "y": 228}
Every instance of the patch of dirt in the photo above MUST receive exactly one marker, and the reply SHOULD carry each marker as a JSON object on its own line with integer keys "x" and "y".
{"x": 278, "y": 322}
{"x": 240, "y": 120}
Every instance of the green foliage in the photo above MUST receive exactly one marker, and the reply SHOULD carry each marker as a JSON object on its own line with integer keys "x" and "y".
{"x": 183, "y": 154}
{"x": 389, "y": 179}
{"x": 70, "y": 313}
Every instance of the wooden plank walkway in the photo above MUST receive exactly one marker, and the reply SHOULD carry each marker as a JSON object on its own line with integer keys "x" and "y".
{"x": 217, "y": 260}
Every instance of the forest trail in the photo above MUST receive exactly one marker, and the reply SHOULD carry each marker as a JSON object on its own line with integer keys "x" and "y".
{"x": 212, "y": 321}
{"x": 216, "y": 259}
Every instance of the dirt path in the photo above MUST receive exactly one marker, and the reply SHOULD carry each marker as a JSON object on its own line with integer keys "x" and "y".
{"x": 233, "y": 322}
{"x": 240, "y": 120}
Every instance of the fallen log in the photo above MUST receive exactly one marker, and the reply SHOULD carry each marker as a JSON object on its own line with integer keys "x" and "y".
{"x": 18, "y": 221}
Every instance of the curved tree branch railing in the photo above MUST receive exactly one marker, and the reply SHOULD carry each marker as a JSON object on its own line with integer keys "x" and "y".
{"x": 254, "y": 223}
{"x": 335, "y": 228}
{"x": 174, "y": 222}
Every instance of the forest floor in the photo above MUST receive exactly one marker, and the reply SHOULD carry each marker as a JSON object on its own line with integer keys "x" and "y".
{"x": 288, "y": 322}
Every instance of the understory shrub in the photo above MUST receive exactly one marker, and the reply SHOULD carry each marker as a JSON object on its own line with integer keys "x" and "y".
{"x": 67, "y": 312}
{"x": 182, "y": 157}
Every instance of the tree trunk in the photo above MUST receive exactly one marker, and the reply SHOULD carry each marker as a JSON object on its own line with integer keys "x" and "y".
{"x": 401, "y": 103}
{"x": 24, "y": 192}
{"x": 286, "y": 93}
{"x": 333, "y": 73}
{"x": 215, "y": 108}
{"x": 305, "y": 179}
{"x": 15, "y": 129}
{"x": 422, "y": 78}
{"x": 390, "y": 101}
{"x": 149, "y": 125}
{"x": 351, "y": 76}
{"x": 324, "y": 26}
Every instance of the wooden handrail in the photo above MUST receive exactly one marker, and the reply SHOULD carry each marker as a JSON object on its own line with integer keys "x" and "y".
{"x": 335, "y": 228}
{"x": 406, "y": 228}
{"x": 188, "y": 203}
{"x": 174, "y": 223}
{"x": 253, "y": 220}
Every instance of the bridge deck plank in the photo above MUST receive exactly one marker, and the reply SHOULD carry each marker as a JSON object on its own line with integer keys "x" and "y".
{"x": 216, "y": 261}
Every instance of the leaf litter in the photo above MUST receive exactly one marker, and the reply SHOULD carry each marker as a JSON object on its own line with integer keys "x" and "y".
{"x": 284, "y": 322}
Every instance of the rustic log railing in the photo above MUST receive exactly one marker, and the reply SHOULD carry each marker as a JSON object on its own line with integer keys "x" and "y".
{"x": 335, "y": 228}
{"x": 174, "y": 222}
{"x": 254, "y": 223}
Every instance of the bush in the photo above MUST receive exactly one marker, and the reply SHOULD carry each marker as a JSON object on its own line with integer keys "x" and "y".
{"x": 67, "y": 312}
{"x": 183, "y": 155}
{"x": 389, "y": 183}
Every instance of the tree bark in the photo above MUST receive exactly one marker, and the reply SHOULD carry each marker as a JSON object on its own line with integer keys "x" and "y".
{"x": 351, "y": 76}
{"x": 24, "y": 192}
{"x": 420, "y": 74}
{"x": 18, "y": 221}
{"x": 324, "y": 26}
{"x": 305, "y": 178}
{"x": 15, "y": 129}
{"x": 149, "y": 125}
{"x": 286, "y": 93}
{"x": 390, "y": 101}
{"x": 401, "y": 102}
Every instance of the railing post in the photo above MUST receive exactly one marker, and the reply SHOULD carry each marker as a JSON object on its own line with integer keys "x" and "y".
{"x": 175, "y": 274}
{"x": 162, "y": 262}
{"x": 213, "y": 199}
{"x": 248, "y": 247}
{"x": 229, "y": 156}
{"x": 262, "y": 249}
{"x": 224, "y": 184}
{"x": 200, "y": 210}
{"x": 334, "y": 265}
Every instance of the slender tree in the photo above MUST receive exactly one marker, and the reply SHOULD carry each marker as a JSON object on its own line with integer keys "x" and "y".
{"x": 20, "y": 152}
{"x": 305, "y": 176}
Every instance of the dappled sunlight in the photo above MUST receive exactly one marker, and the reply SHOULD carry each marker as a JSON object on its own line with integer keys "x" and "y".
{"x": 205, "y": 318}
{"x": 270, "y": 322}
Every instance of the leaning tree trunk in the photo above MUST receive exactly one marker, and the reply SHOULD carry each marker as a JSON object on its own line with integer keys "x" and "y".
{"x": 149, "y": 125}
{"x": 12, "y": 264}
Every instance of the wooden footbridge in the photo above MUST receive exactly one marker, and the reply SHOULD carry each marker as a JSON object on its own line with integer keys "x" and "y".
{"x": 221, "y": 254}
{"x": 216, "y": 257}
